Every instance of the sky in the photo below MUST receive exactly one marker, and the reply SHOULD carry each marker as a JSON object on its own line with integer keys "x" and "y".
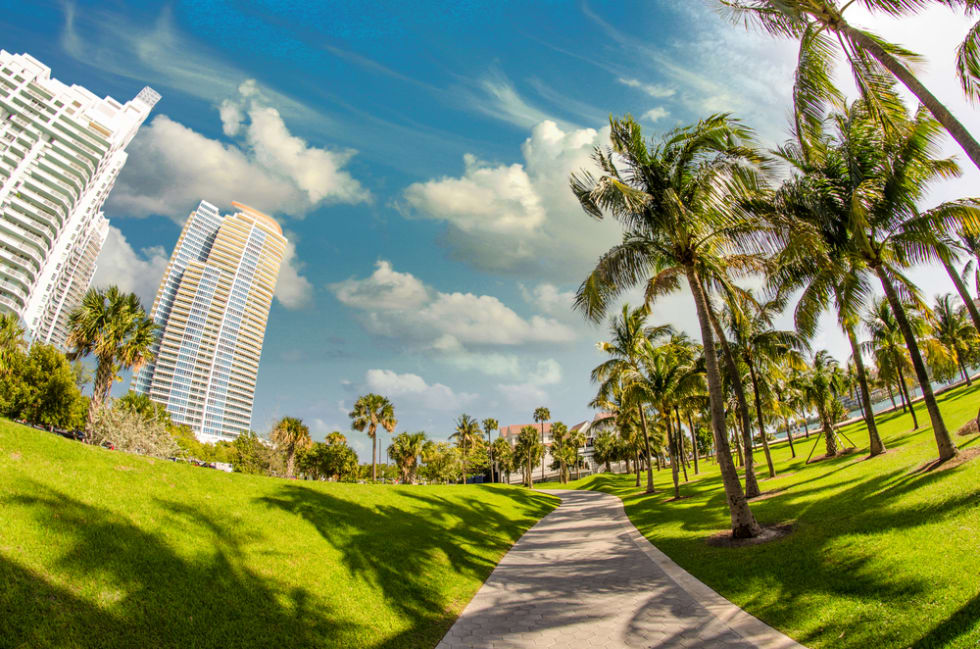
{"x": 417, "y": 155}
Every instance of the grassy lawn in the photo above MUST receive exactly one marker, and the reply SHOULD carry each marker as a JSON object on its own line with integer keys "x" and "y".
{"x": 881, "y": 555}
{"x": 105, "y": 549}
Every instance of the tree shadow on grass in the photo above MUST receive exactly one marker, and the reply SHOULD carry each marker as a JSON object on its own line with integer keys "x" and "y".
{"x": 146, "y": 594}
{"x": 404, "y": 553}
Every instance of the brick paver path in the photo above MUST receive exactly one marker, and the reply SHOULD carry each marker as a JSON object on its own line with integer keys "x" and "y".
{"x": 584, "y": 577}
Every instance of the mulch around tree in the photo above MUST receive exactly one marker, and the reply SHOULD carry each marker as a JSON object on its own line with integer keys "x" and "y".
{"x": 962, "y": 457}
{"x": 769, "y": 533}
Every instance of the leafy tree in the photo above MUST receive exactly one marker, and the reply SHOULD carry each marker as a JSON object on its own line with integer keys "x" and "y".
{"x": 604, "y": 449}
{"x": 290, "y": 436}
{"x": 113, "y": 327}
{"x": 371, "y": 411}
{"x": 405, "y": 450}
{"x": 334, "y": 438}
{"x": 249, "y": 455}
{"x": 468, "y": 435}
{"x": 676, "y": 199}
{"x": 130, "y": 431}
{"x": 542, "y": 415}
{"x": 144, "y": 406}
{"x": 442, "y": 462}
{"x": 11, "y": 342}
{"x": 821, "y": 27}
{"x": 528, "y": 450}
{"x": 49, "y": 395}
{"x": 503, "y": 456}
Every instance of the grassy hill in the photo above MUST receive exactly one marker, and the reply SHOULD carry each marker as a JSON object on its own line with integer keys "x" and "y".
{"x": 883, "y": 553}
{"x": 104, "y": 549}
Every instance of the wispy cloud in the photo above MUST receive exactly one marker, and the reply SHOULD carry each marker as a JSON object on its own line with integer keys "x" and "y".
{"x": 654, "y": 90}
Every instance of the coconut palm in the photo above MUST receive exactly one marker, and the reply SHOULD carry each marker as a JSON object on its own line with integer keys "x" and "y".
{"x": 290, "y": 436}
{"x": 528, "y": 450}
{"x": 630, "y": 342}
{"x": 11, "y": 341}
{"x": 562, "y": 450}
{"x": 676, "y": 200}
{"x": 113, "y": 327}
{"x": 503, "y": 456}
{"x": 405, "y": 450}
{"x": 604, "y": 449}
{"x": 955, "y": 336}
{"x": 491, "y": 426}
{"x": 820, "y": 386}
{"x": 824, "y": 33}
{"x": 576, "y": 441}
{"x": 371, "y": 411}
{"x": 542, "y": 415}
{"x": 760, "y": 347}
{"x": 468, "y": 434}
{"x": 886, "y": 345}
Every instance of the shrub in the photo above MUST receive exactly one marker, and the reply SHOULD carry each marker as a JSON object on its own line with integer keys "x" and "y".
{"x": 130, "y": 431}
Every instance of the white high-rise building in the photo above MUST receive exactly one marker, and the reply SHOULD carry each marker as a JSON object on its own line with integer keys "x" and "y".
{"x": 61, "y": 149}
{"x": 211, "y": 308}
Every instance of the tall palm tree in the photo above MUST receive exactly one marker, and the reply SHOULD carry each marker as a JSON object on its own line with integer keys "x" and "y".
{"x": 630, "y": 342}
{"x": 113, "y": 327}
{"x": 527, "y": 450}
{"x": 491, "y": 426}
{"x": 542, "y": 415}
{"x": 886, "y": 345}
{"x": 503, "y": 455}
{"x": 371, "y": 411}
{"x": 405, "y": 450}
{"x": 290, "y": 436}
{"x": 468, "y": 434}
{"x": 11, "y": 341}
{"x": 820, "y": 386}
{"x": 577, "y": 440}
{"x": 604, "y": 449}
{"x": 675, "y": 199}
{"x": 824, "y": 33}
{"x": 562, "y": 449}
{"x": 760, "y": 346}
{"x": 953, "y": 334}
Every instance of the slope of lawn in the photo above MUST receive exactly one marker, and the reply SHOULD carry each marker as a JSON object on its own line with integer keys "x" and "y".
{"x": 882, "y": 555}
{"x": 104, "y": 549}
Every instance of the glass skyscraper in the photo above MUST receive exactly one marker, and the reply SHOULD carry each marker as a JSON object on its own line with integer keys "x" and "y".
{"x": 61, "y": 149}
{"x": 212, "y": 307}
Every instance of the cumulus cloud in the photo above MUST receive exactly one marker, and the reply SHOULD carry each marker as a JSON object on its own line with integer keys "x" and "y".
{"x": 172, "y": 167}
{"x": 451, "y": 351}
{"x": 656, "y": 114}
{"x": 436, "y": 396}
{"x": 550, "y": 300}
{"x": 519, "y": 217}
{"x": 522, "y": 396}
{"x": 293, "y": 291}
{"x": 134, "y": 272}
{"x": 401, "y": 306}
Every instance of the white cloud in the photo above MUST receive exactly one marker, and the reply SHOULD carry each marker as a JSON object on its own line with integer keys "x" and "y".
{"x": 400, "y": 306}
{"x": 172, "y": 167}
{"x": 520, "y": 217}
{"x": 512, "y": 366}
{"x": 133, "y": 272}
{"x": 550, "y": 300}
{"x": 522, "y": 396}
{"x": 654, "y": 90}
{"x": 293, "y": 291}
{"x": 656, "y": 114}
{"x": 436, "y": 396}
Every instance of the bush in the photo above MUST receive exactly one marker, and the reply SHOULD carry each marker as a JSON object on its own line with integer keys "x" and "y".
{"x": 40, "y": 388}
{"x": 127, "y": 430}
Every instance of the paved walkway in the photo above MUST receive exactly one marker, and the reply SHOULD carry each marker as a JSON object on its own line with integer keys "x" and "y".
{"x": 584, "y": 577}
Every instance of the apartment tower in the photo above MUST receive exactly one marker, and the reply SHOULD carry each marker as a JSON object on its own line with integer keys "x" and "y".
{"x": 212, "y": 307}
{"x": 61, "y": 149}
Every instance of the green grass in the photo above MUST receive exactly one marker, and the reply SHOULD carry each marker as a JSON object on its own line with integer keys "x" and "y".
{"x": 105, "y": 549}
{"x": 881, "y": 555}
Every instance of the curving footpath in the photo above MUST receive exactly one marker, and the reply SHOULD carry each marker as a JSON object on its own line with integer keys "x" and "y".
{"x": 583, "y": 576}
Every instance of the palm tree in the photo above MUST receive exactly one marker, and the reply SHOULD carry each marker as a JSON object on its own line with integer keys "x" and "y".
{"x": 563, "y": 449}
{"x": 953, "y": 334}
{"x": 891, "y": 356}
{"x": 630, "y": 343}
{"x": 503, "y": 455}
{"x": 820, "y": 388}
{"x": 542, "y": 415}
{"x": 405, "y": 450}
{"x": 675, "y": 199}
{"x": 290, "y": 436}
{"x": 604, "y": 449}
{"x": 112, "y": 326}
{"x": 821, "y": 27}
{"x": 467, "y": 435}
{"x": 760, "y": 346}
{"x": 527, "y": 451}
{"x": 490, "y": 426}
{"x": 576, "y": 441}
{"x": 11, "y": 341}
{"x": 371, "y": 411}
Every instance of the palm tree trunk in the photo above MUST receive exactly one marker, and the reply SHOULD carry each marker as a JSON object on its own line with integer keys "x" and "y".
{"x": 830, "y": 439}
{"x": 543, "y": 455}
{"x": 751, "y": 483}
{"x": 758, "y": 416}
{"x": 694, "y": 441}
{"x": 291, "y": 465}
{"x": 374, "y": 457}
{"x": 743, "y": 521}
{"x": 944, "y": 443}
{"x": 907, "y": 398}
{"x": 966, "y": 375}
{"x": 789, "y": 436}
{"x": 646, "y": 445}
{"x": 679, "y": 436}
{"x": 101, "y": 387}
{"x": 673, "y": 458}
{"x": 876, "y": 446}
{"x": 909, "y": 80}
{"x": 806, "y": 427}
{"x": 636, "y": 464}
{"x": 964, "y": 294}
{"x": 891, "y": 395}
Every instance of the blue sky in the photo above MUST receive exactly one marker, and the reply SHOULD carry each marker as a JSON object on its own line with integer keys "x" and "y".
{"x": 417, "y": 156}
